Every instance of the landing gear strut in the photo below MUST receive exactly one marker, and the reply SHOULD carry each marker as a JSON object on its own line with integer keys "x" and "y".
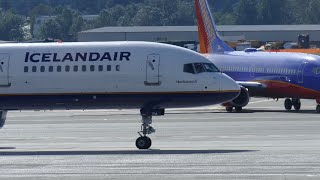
{"x": 289, "y": 103}
{"x": 144, "y": 142}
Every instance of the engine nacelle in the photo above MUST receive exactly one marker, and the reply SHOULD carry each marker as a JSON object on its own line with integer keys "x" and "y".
{"x": 241, "y": 101}
{"x": 3, "y": 116}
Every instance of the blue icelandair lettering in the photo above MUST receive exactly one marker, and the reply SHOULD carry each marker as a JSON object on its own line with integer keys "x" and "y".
{"x": 106, "y": 56}
{"x": 67, "y": 57}
{"x": 83, "y": 56}
{"x": 94, "y": 57}
{"x": 125, "y": 55}
{"x": 71, "y": 57}
{"x": 55, "y": 59}
{"x": 32, "y": 57}
{"x": 115, "y": 56}
{"x": 46, "y": 57}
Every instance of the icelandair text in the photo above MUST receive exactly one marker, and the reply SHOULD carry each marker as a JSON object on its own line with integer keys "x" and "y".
{"x": 91, "y": 56}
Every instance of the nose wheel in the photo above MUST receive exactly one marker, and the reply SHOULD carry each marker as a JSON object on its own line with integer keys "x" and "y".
{"x": 143, "y": 142}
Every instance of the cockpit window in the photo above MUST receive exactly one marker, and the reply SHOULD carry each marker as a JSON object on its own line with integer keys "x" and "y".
{"x": 188, "y": 68}
{"x": 199, "y": 68}
{"x": 210, "y": 67}
{"x": 196, "y": 68}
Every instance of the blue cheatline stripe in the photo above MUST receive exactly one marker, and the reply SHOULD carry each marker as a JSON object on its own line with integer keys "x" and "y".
{"x": 118, "y": 93}
{"x": 96, "y": 101}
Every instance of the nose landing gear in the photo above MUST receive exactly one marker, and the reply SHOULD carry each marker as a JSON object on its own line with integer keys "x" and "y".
{"x": 144, "y": 142}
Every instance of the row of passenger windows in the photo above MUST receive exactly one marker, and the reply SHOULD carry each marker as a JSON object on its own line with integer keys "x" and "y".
{"x": 259, "y": 70}
{"x": 75, "y": 68}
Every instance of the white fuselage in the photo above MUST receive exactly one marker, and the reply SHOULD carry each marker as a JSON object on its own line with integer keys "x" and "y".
{"x": 76, "y": 73}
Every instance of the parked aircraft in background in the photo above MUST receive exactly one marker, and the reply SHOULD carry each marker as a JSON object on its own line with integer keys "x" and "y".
{"x": 122, "y": 75}
{"x": 293, "y": 76}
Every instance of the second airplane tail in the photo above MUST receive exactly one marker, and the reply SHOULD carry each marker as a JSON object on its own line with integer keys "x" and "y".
{"x": 209, "y": 39}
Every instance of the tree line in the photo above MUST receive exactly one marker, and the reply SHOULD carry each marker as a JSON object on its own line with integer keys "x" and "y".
{"x": 68, "y": 21}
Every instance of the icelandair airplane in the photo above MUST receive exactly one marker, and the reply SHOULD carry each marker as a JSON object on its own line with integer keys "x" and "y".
{"x": 124, "y": 75}
{"x": 293, "y": 76}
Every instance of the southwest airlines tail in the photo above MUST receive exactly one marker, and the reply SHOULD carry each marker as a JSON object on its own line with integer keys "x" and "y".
{"x": 209, "y": 39}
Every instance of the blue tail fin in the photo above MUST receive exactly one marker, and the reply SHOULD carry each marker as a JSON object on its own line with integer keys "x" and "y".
{"x": 209, "y": 39}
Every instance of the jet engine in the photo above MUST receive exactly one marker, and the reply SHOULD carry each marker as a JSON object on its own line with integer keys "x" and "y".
{"x": 239, "y": 102}
{"x": 3, "y": 116}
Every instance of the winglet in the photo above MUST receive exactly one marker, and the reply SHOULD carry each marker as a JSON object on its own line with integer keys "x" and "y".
{"x": 209, "y": 39}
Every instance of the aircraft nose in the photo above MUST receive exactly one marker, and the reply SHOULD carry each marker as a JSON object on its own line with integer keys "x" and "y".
{"x": 229, "y": 85}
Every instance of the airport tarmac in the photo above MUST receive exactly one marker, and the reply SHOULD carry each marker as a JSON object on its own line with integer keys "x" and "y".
{"x": 264, "y": 142}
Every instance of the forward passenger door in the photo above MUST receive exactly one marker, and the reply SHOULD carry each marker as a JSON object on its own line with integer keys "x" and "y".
{"x": 300, "y": 73}
{"x": 4, "y": 70}
{"x": 153, "y": 70}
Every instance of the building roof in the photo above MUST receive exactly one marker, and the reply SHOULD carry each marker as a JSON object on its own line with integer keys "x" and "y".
{"x": 246, "y": 28}
{"x": 269, "y": 28}
{"x": 122, "y": 29}
{"x": 86, "y": 17}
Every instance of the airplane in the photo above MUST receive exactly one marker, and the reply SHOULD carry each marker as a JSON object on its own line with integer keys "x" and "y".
{"x": 109, "y": 75}
{"x": 293, "y": 76}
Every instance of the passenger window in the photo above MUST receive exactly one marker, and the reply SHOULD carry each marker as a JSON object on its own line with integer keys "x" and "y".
{"x": 109, "y": 68}
{"x": 26, "y": 69}
{"x": 188, "y": 68}
{"x": 199, "y": 68}
{"x": 67, "y": 68}
{"x": 59, "y": 68}
{"x": 100, "y": 67}
{"x": 34, "y": 68}
{"x": 84, "y": 68}
{"x": 42, "y": 69}
{"x": 50, "y": 68}
{"x": 92, "y": 68}
{"x": 75, "y": 68}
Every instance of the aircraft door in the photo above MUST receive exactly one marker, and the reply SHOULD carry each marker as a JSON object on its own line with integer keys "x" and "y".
{"x": 300, "y": 73}
{"x": 252, "y": 71}
{"x": 4, "y": 70}
{"x": 153, "y": 70}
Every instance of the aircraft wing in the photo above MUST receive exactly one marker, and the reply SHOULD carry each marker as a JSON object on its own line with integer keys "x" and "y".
{"x": 251, "y": 84}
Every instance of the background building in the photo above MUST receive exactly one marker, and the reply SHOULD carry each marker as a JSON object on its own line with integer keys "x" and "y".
{"x": 262, "y": 33}
{"x": 39, "y": 20}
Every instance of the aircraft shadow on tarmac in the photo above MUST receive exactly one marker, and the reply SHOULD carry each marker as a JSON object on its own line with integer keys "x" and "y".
{"x": 206, "y": 111}
{"x": 120, "y": 152}
{"x": 247, "y": 111}
{"x": 4, "y": 148}
{"x": 277, "y": 111}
